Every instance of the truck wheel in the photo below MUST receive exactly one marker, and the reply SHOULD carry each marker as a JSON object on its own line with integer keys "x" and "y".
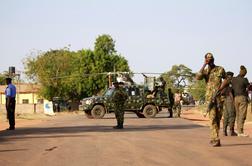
{"x": 88, "y": 115}
{"x": 98, "y": 112}
{"x": 150, "y": 111}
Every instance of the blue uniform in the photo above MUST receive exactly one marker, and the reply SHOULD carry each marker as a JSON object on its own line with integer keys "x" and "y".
{"x": 10, "y": 94}
{"x": 10, "y": 91}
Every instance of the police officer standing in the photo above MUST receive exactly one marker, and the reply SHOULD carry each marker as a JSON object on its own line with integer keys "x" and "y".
{"x": 213, "y": 76}
{"x": 10, "y": 94}
{"x": 240, "y": 85}
{"x": 118, "y": 98}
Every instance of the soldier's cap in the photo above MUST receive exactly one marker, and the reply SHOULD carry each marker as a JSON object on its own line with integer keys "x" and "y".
{"x": 230, "y": 73}
{"x": 209, "y": 56}
{"x": 8, "y": 79}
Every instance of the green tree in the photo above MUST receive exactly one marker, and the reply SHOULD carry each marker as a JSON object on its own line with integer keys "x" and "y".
{"x": 179, "y": 77}
{"x": 104, "y": 45}
{"x": 2, "y": 79}
{"x": 75, "y": 75}
{"x": 198, "y": 89}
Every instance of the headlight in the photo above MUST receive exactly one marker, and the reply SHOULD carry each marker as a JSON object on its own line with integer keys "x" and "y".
{"x": 88, "y": 101}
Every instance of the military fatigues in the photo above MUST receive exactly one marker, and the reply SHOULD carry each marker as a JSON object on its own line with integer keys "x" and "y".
{"x": 229, "y": 111}
{"x": 171, "y": 103}
{"x": 213, "y": 79}
{"x": 239, "y": 85}
{"x": 119, "y": 98}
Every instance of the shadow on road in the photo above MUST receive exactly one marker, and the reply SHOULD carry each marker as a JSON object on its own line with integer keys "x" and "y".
{"x": 81, "y": 131}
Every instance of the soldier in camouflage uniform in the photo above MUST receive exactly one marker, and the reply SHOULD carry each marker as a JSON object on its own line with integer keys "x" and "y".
{"x": 213, "y": 76}
{"x": 119, "y": 97}
{"x": 229, "y": 108}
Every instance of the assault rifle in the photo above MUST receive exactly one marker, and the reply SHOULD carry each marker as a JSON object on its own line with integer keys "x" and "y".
{"x": 213, "y": 103}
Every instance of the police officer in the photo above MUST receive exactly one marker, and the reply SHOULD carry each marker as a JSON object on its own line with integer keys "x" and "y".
{"x": 213, "y": 76}
{"x": 240, "y": 85}
{"x": 118, "y": 98}
{"x": 10, "y": 94}
{"x": 229, "y": 108}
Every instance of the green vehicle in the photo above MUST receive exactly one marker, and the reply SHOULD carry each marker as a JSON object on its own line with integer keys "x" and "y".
{"x": 138, "y": 101}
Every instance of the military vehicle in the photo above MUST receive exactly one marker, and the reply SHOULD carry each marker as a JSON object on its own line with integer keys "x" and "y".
{"x": 141, "y": 100}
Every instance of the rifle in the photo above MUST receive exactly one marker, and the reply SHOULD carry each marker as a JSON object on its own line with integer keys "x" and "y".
{"x": 213, "y": 102}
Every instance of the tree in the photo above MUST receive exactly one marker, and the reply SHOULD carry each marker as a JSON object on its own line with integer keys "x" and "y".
{"x": 104, "y": 45}
{"x": 179, "y": 77}
{"x": 198, "y": 89}
{"x": 2, "y": 80}
{"x": 75, "y": 75}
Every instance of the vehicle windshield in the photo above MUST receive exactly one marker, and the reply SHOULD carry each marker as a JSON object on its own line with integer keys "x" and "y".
{"x": 109, "y": 92}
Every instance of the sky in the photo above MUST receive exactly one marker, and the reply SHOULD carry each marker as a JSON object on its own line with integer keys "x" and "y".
{"x": 153, "y": 35}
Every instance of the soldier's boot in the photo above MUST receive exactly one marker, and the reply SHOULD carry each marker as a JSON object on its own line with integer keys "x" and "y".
{"x": 232, "y": 132}
{"x": 225, "y": 130}
{"x": 216, "y": 143}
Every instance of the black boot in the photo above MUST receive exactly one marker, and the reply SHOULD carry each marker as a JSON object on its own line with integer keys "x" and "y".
{"x": 216, "y": 143}
{"x": 232, "y": 132}
{"x": 225, "y": 130}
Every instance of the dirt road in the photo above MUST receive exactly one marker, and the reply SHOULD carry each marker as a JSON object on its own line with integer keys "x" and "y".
{"x": 75, "y": 140}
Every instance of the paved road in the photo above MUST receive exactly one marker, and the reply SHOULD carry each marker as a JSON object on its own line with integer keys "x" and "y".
{"x": 75, "y": 140}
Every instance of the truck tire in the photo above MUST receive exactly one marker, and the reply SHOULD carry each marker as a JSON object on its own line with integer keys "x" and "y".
{"x": 98, "y": 112}
{"x": 150, "y": 111}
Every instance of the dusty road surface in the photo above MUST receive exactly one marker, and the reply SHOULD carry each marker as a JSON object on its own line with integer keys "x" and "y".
{"x": 74, "y": 140}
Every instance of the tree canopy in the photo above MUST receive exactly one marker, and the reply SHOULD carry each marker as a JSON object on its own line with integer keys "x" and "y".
{"x": 75, "y": 74}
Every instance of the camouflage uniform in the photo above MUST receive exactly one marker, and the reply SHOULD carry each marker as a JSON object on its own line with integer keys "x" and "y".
{"x": 213, "y": 79}
{"x": 229, "y": 112}
{"x": 119, "y": 97}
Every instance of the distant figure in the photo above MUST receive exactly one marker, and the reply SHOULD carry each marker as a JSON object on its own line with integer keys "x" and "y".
{"x": 213, "y": 76}
{"x": 177, "y": 103}
{"x": 170, "y": 102}
{"x": 10, "y": 94}
{"x": 229, "y": 108}
{"x": 119, "y": 97}
{"x": 240, "y": 85}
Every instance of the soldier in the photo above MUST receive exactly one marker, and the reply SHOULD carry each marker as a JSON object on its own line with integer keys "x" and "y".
{"x": 213, "y": 76}
{"x": 229, "y": 108}
{"x": 10, "y": 94}
{"x": 177, "y": 104}
{"x": 171, "y": 102}
{"x": 119, "y": 97}
{"x": 240, "y": 85}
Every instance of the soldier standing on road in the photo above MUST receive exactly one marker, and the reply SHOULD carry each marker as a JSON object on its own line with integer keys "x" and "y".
{"x": 240, "y": 86}
{"x": 177, "y": 104}
{"x": 10, "y": 94}
{"x": 229, "y": 108}
{"x": 170, "y": 102}
{"x": 213, "y": 76}
{"x": 119, "y": 97}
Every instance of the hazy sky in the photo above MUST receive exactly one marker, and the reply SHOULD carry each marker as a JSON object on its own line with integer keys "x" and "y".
{"x": 152, "y": 35}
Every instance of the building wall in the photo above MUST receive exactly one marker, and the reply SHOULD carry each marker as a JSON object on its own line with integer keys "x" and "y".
{"x": 31, "y": 97}
{"x": 25, "y": 108}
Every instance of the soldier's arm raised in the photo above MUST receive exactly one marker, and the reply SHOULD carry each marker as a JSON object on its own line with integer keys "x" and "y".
{"x": 200, "y": 74}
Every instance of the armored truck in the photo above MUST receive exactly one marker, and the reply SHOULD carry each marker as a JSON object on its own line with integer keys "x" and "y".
{"x": 139, "y": 101}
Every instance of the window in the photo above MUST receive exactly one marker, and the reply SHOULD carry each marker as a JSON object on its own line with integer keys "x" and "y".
{"x": 25, "y": 101}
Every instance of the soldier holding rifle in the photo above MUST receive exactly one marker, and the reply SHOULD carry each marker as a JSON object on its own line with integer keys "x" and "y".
{"x": 213, "y": 75}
